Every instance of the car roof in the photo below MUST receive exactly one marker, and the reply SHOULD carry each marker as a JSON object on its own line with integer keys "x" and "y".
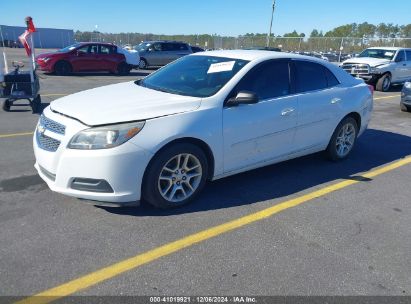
{"x": 390, "y": 48}
{"x": 251, "y": 55}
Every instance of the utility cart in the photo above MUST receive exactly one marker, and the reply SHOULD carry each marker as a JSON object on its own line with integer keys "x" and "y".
{"x": 17, "y": 85}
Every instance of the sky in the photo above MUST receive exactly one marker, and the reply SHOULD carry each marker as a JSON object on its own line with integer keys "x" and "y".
{"x": 222, "y": 17}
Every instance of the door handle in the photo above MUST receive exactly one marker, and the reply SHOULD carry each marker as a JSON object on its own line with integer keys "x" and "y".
{"x": 335, "y": 100}
{"x": 287, "y": 112}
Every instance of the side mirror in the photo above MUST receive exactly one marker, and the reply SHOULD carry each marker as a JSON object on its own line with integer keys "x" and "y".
{"x": 398, "y": 59}
{"x": 80, "y": 53}
{"x": 243, "y": 97}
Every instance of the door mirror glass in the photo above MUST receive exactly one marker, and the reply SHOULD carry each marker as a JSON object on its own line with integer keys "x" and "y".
{"x": 243, "y": 97}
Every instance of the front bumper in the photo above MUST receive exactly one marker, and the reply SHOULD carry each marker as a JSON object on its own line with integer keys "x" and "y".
{"x": 121, "y": 168}
{"x": 406, "y": 97}
{"x": 44, "y": 66}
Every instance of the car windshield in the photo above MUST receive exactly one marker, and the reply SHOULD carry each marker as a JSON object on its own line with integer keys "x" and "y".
{"x": 69, "y": 48}
{"x": 142, "y": 46}
{"x": 378, "y": 53}
{"x": 198, "y": 76}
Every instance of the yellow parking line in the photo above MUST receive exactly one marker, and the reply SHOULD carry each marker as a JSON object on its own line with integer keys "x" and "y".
{"x": 15, "y": 134}
{"x": 49, "y": 95}
{"x": 116, "y": 269}
{"x": 386, "y": 97}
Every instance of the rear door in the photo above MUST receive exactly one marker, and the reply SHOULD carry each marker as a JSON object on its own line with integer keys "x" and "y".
{"x": 320, "y": 98}
{"x": 109, "y": 58}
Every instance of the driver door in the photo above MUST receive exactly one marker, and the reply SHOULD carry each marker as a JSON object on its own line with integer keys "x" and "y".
{"x": 256, "y": 133}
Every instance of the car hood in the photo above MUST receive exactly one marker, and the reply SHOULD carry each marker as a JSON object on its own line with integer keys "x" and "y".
{"x": 367, "y": 60}
{"x": 44, "y": 55}
{"x": 121, "y": 103}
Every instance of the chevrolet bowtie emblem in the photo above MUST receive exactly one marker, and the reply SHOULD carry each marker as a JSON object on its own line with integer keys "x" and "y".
{"x": 41, "y": 129}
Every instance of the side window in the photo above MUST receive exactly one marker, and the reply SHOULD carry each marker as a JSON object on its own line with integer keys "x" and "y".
{"x": 400, "y": 56}
{"x": 84, "y": 49}
{"x": 93, "y": 49}
{"x": 332, "y": 81}
{"x": 268, "y": 80}
{"x": 310, "y": 76}
{"x": 157, "y": 47}
{"x": 105, "y": 49}
{"x": 182, "y": 47}
{"x": 408, "y": 55}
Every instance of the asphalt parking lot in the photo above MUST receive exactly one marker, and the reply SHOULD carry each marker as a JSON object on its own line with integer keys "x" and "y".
{"x": 303, "y": 227}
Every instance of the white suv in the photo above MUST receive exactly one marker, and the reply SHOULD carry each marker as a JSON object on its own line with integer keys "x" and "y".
{"x": 202, "y": 117}
{"x": 381, "y": 66}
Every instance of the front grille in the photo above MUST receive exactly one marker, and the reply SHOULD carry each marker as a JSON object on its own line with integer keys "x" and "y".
{"x": 356, "y": 68}
{"x": 51, "y": 125}
{"x": 47, "y": 143}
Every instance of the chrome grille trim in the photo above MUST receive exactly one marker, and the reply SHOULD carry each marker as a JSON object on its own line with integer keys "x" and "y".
{"x": 52, "y": 126}
{"x": 356, "y": 68}
{"x": 48, "y": 174}
{"x": 47, "y": 143}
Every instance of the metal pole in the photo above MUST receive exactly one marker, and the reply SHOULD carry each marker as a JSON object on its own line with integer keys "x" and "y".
{"x": 271, "y": 25}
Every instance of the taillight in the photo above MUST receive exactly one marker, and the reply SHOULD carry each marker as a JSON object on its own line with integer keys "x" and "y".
{"x": 371, "y": 88}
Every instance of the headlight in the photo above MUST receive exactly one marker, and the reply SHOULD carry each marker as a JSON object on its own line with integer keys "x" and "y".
{"x": 373, "y": 70}
{"x": 407, "y": 85}
{"x": 105, "y": 137}
{"x": 45, "y": 59}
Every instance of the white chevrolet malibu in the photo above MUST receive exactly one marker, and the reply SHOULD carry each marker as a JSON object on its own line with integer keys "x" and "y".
{"x": 202, "y": 117}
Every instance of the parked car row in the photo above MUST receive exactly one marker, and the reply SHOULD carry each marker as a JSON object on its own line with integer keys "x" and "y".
{"x": 89, "y": 56}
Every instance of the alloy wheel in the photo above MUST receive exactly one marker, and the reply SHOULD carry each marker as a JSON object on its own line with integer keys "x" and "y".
{"x": 180, "y": 177}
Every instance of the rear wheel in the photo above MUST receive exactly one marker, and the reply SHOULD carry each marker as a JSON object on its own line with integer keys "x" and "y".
{"x": 175, "y": 176}
{"x": 62, "y": 68}
{"x": 343, "y": 140}
{"x": 123, "y": 69}
{"x": 384, "y": 83}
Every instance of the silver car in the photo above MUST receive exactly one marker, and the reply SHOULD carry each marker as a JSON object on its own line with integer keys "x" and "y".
{"x": 158, "y": 53}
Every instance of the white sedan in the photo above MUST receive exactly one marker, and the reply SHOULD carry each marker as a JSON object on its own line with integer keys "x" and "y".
{"x": 202, "y": 117}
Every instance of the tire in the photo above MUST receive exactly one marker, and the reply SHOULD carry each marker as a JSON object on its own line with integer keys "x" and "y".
{"x": 175, "y": 176}
{"x": 343, "y": 139}
{"x": 62, "y": 68}
{"x": 405, "y": 108}
{"x": 6, "y": 105}
{"x": 143, "y": 64}
{"x": 36, "y": 105}
{"x": 123, "y": 69}
{"x": 384, "y": 83}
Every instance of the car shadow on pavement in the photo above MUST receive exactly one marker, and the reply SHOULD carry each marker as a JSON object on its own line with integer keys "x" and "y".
{"x": 375, "y": 148}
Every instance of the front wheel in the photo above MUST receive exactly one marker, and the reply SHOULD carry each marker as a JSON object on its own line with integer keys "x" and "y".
{"x": 143, "y": 64}
{"x": 62, "y": 68}
{"x": 384, "y": 83}
{"x": 175, "y": 176}
{"x": 405, "y": 108}
{"x": 343, "y": 140}
{"x": 6, "y": 105}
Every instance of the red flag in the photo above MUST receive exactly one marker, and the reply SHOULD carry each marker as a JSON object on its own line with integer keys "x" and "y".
{"x": 30, "y": 24}
{"x": 24, "y": 39}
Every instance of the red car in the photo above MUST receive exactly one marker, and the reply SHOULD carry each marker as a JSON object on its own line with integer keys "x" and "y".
{"x": 85, "y": 57}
